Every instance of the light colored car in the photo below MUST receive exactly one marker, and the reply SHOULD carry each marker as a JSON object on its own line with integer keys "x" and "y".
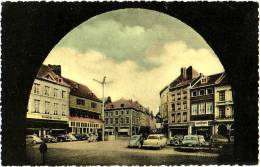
{"x": 155, "y": 140}
{"x": 190, "y": 141}
{"x": 71, "y": 137}
{"x": 136, "y": 141}
{"x": 202, "y": 141}
{"x": 33, "y": 139}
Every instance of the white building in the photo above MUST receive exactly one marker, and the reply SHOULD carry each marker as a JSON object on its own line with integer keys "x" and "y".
{"x": 48, "y": 106}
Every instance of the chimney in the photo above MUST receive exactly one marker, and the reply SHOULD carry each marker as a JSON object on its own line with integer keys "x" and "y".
{"x": 183, "y": 73}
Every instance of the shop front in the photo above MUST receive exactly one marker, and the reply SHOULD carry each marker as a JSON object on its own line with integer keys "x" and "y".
{"x": 204, "y": 128}
{"x": 179, "y": 129}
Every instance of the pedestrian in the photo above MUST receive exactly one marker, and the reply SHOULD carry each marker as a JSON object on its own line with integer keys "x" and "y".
{"x": 43, "y": 149}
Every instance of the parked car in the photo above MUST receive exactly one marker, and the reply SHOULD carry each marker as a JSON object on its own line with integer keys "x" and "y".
{"x": 61, "y": 138}
{"x": 202, "y": 141}
{"x": 176, "y": 140}
{"x": 218, "y": 140}
{"x": 136, "y": 141}
{"x": 71, "y": 137}
{"x": 155, "y": 140}
{"x": 33, "y": 139}
{"x": 190, "y": 141}
{"x": 81, "y": 136}
{"x": 49, "y": 139}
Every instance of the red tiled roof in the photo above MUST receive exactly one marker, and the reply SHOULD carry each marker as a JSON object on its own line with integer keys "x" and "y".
{"x": 211, "y": 79}
{"x": 81, "y": 90}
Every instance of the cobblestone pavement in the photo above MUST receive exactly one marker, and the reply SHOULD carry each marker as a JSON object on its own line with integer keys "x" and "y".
{"x": 114, "y": 153}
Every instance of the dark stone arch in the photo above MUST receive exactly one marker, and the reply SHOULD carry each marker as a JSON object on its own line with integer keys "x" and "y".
{"x": 30, "y": 30}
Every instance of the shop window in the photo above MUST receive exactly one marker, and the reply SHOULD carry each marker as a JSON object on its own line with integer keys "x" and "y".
{"x": 93, "y": 105}
{"x": 222, "y": 96}
{"x": 36, "y": 88}
{"x": 36, "y": 106}
{"x": 80, "y": 102}
{"x": 209, "y": 108}
{"x": 184, "y": 117}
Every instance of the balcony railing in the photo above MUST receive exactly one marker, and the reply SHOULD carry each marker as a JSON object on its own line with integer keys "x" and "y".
{"x": 225, "y": 117}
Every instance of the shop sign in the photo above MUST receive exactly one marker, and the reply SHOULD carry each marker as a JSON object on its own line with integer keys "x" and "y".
{"x": 51, "y": 117}
{"x": 201, "y": 123}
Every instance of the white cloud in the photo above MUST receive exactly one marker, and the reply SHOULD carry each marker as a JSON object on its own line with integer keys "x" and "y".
{"x": 129, "y": 79}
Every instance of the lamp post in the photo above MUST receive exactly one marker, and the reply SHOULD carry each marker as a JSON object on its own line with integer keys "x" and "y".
{"x": 103, "y": 82}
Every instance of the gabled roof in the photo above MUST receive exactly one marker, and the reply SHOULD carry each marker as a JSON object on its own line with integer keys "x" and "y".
{"x": 124, "y": 103}
{"x": 223, "y": 79}
{"x": 81, "y": 90}
{"x": 47, "y": 73}
{"x": 211, "y": 79}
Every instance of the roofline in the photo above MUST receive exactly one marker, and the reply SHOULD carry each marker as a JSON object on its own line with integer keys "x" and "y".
{"x": 52, "y": 82}
{"x": 167, "y": 86}
{"x": 86, "y": 98}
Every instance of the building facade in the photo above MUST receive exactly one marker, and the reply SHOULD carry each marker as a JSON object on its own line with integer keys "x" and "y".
{"x": 202, "y": 105}
{"x": 126, "y": 117}
{"x": 48, "y": 106}
{"x": 224, "y": 110}
{"x": 84, "y": 110}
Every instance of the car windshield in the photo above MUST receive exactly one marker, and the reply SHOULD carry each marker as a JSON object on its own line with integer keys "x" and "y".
{"x": 153, "y": 137}
{"x": 190, "y": 138}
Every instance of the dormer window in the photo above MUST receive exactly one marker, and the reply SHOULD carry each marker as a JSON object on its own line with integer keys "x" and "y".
{"x": 60, "y": 80}
{"x": 112, "y": 106}
{"x": 122, "y": 105}
{"x": 204, "y": 80}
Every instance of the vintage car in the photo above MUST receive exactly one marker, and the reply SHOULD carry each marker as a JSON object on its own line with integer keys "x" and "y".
{"x": 81, "y": 136}
{"x": 155, "y": 140}
{"x": 190, "y": 141}
{"x": 49, "y": 139}
{"x": 176, "y": 140}
{"x": 136, "y": 141}
{"x": 202, "y": 141}
{"x": 218, "y": 141}
{"x": 33, "y": 139}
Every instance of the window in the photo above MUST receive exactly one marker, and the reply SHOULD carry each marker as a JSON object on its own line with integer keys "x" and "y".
{"x": 194, "y": 109}
{"x": 106, "y": 120}
{"x": 178, "y": 106}
{"x": 80, "y": 102}
{"x": 36, "y": 88}
{"x": 179, "y": 96}
{"x": 46, "y": 90}
{"x": 184, "y": 105}
{"x": 201, "y": 108}
{"x": 194, "y": 93}
{"x": 173, "y": 107}
{"x": 178, "y": 118}
{"x": 55, "y": 111}
{"x": 222, "y": 112}
{"x": 93, "y": 105}
{"x": 63, "y": 109}
{"x": 127, "y": 112}
{"x": 55, "y": 92}
{"x": 36, "y": 106}
{"x": 112, "y": 106}
{"x": 106, "y": 113}
{"x": 209, "y": 91}
{"x": 202, "y": 92}
{"x": 184, "y": 117}
{"x": 122, "y": 112}
{"x": 111, "y": 113}
{"x": 122, "y": 120}
{"x": 173, "y": 118}
{"x": 127, "y": 120}
{"x": 116, "y": 120}
{"x": 173, "y": 97}
{"x": 47, "y": 107}
{"x": 222, "y": 96}
{"x": 184, "y": 92}
{"x": 209, "y": 108}
{"x": 111, "y": 121}
{"x": 122, "y": 105}
{"x": 116, "y": 112}
{"x": 204, "y": 80}
{"x": 63, "y": 94}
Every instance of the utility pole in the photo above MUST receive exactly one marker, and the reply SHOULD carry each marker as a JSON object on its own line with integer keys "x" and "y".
{"x": 102, "y": 83}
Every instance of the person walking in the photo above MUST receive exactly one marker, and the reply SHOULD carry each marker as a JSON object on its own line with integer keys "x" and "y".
{"x": 43, "y": 149}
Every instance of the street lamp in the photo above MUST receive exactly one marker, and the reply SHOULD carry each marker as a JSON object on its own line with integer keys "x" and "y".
{"x": 103, "y": 82}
